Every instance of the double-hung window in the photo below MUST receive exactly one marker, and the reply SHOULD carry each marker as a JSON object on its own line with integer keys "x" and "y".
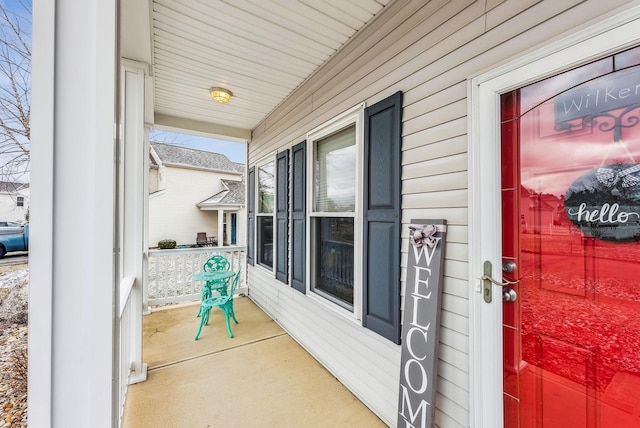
{"x": 264, "y": 213}
{"x": 344, "y": 207}
{"x": 334, "y": 228}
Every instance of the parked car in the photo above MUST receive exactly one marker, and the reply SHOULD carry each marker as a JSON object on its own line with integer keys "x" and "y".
{"x": 10, "y": 224}
{"x": 13, "y": 238}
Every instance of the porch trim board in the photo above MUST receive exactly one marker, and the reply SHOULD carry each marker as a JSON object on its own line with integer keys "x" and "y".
{"x": 41, "y": 309}
{"x": 604, "y": 36}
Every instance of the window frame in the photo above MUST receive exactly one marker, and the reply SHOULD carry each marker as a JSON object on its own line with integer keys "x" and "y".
{"x": 20, "y": 201}
{"x": 353, "y": 116}
{"x": 258, "y": 214}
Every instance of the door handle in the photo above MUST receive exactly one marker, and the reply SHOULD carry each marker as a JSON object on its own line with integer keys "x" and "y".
{"x": 487, "y": 280}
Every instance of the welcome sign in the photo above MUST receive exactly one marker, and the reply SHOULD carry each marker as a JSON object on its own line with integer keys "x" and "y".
{"x": 421, "y": 323}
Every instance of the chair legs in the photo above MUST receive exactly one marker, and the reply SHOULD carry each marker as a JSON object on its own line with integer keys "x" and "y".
{"x": 228, "y": 314}
{"x": 233, "y": 314}
{"x": 206, "y": 293}
{"x": 204, "y": 319}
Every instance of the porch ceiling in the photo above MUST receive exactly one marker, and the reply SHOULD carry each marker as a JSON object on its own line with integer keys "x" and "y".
{"x": 261, "y": 50}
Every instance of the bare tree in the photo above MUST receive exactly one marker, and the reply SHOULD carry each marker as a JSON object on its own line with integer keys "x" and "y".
{"x": 15, "y": 89}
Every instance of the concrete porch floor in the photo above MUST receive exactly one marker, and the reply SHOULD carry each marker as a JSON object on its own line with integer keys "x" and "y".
{"x": 260, "y": 378}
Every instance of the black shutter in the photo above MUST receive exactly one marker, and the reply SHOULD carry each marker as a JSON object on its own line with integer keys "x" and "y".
{"x": 298, "y": 217}
{"x": 382, "y": 193}
{"x": 282, "y": 216}
{"x": 251, "y": 215}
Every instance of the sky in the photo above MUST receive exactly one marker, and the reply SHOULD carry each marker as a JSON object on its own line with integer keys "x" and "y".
{"x": 236, "y": 152}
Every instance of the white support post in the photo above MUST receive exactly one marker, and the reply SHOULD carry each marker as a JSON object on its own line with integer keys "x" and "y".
{"x": 72, "y": 307}
{"x": 40, "y": 338}
{"x": 132, "y": 188}
{"x": 145, "y": 241}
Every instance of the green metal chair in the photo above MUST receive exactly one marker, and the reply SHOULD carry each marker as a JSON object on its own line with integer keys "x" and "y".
{"x": 214, "y": 263}
{"x": 224, "y": 302}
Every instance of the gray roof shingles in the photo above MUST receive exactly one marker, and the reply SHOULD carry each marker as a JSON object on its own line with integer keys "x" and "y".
{"x": 12, "y": 187}
{"x": 183, "y": 156}
{"x": 236, "y": 192}
{"x": 233, "y": 196}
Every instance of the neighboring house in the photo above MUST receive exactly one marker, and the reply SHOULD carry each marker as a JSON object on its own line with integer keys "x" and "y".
{"x": 194, "y": 191}
{"x": 14, "y": 201}
{"x": 231, "y": 202}
{"x": 537, "y": 211}
{"x": 356, "y": 127}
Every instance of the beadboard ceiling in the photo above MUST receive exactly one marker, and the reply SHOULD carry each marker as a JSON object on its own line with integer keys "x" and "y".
{"x": 261, "y": 50}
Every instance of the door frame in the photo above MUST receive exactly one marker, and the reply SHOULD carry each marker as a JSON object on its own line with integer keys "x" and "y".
{"x": 604, "y": 37}
{"x": 233, "y": 220}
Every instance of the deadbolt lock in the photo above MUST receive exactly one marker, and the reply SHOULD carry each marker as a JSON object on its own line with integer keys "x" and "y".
{"x": 508, "y": 266}
{"x": 509, "y": 295}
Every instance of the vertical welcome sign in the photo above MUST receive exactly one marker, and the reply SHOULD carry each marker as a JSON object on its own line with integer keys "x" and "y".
{"x": 420, "y": 324}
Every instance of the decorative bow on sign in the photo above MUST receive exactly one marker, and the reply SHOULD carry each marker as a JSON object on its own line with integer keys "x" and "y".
{"x": 423, "y": 235}
{"x": 610, "y": 176}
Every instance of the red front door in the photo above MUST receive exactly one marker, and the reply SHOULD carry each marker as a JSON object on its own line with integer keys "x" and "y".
{"x": 571, "y": 228}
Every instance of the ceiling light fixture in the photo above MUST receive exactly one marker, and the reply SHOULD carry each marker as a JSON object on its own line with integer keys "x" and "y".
{"x": 221, "y": 95}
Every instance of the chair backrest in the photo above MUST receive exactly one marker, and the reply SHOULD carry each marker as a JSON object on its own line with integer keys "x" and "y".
{"x": 201, "y": 238}
{"x": 216, "y": 262}
{"x": 233, "y": 281}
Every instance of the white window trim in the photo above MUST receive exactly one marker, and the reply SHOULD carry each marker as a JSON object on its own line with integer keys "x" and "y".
{"x": 264, "y": 161}
{"x": 354, "y": 115}
{"x": 604, "y": 37}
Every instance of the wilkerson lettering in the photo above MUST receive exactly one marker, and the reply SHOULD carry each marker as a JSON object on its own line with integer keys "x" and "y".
{"x": 610, "y": 92}
{"x": 600, "y": 97}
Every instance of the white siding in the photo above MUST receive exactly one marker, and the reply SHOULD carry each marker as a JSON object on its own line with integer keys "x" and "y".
{"x": 153, "y": 180}
{"x": 9, "y": 210}
{"x": 428, "y": 51}
{"x": 173, "y": 213}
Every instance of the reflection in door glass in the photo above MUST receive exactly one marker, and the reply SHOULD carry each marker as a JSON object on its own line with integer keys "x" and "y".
{"x": 571, "y": 222}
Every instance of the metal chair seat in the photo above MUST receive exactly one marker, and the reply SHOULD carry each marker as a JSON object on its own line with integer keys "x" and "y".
{"x": 224, "y": 302}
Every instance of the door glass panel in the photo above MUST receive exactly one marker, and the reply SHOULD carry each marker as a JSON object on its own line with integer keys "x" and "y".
{"x": 571, "y": 223}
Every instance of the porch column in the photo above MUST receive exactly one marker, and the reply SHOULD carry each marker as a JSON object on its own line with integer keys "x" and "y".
{"x": 71, "y": 257}
{"x": 220, "y": 228}
{"x": 145, "y": 241}
{"x": 135, "y": 159}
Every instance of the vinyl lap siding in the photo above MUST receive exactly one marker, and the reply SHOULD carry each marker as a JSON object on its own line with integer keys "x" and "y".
{"x": 174, "y": 214}
{"x": 428, "y": 51}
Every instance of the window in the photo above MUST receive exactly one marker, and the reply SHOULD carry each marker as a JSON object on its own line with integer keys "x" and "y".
{"x": 339, "y": 207}
{"x": 264, "y": 214}
{"x": 20, "y": 201}
{"x": 354, "y": 212}
{"x": 335, "y": 164}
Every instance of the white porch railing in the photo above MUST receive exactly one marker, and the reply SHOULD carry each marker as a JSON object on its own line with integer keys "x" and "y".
{"x": 170, "y": 273}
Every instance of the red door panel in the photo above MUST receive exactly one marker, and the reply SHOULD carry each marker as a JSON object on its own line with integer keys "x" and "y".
{"x": 572, "y": 338}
